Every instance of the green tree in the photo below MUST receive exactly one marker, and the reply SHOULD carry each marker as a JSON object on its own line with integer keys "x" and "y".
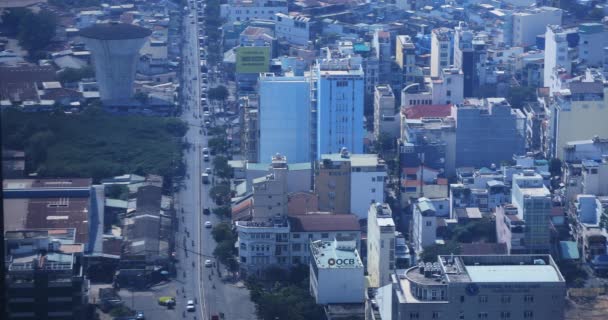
{"x": 218, "y": 144}
{"x": 518, "y": 96}
{"x": 224, "y": 251}
{"x": 430, "y": 253}
{"x": 117, "y": 191}
{"x": 218, "y": 93}
{"x": 223, "y": 211}
{"x": 69, "y": 75}
{"x": 289, "y": 302}
{"x": 36, "y": 30}
{"x": 220, "y": 194}
{"x": 222, "y": 232}
{"x": 222, "y": 168}
{"x": 384, "y": 143}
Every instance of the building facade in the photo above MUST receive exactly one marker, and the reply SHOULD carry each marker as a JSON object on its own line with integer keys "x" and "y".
{"x": 339, "y": 106}
{"x": 478, "y": 287}
{"x": 384, "y": 108}
{"x": 284, "y": 118}
{"x": 380, "y": 244}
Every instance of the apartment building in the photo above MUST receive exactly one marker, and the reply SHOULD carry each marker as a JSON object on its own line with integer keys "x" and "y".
{"x": 380, "y": 244}
{"x": 245, "y": 10}
{"x": 385, "y": 120}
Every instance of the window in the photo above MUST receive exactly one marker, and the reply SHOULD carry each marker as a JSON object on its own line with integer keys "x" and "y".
{"x": 461, "y": 298}
{"x": 324, "y": 235}
{"x": 528, "y": 314}
{"x": 436, "y": 315}
{"x": 296, "y": 236}
{"x": 505, "y": 299}
{"x": 373, "y": 190}
{"x": 244, "y": 259}
{"x": 296, "y": 246}
{"x": 482, "y": 315}
{"x": 505, "y": 315}
{"x": 243, "y": 246}
{"x": 483, "y": 299}
{"x": 429, "y": 223}
{"x": 528, "y": 298}
{"x": 414, "y": 315}
{"x": 310, "y": 236}
{"x": 449, "y": 93}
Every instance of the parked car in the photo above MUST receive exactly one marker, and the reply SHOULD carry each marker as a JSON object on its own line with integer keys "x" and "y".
{"x": 190, "y": 306}
{"x": 208, "y": 263}
{"x": 208, "y": 224}
{"x": 206, "y": 211}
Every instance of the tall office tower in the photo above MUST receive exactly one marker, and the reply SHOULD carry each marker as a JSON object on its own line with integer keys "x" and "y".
{"x": 556, "y": 54}
{"x": 533, "y": 202}
{"x": 441, "y": 50}
{"x": 115, "y": 48}
{"x": 380, "y": 244}
{"x": 339, "y": 106}
{"x": 284, "y": 113}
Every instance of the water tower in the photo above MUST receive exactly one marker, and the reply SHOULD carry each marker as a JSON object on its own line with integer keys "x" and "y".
{"x": 115, "y": 49}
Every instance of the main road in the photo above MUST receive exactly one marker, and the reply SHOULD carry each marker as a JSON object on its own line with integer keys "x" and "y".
{"x": 194, "y": 243}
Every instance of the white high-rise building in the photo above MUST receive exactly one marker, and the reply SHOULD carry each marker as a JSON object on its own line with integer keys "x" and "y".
{"x": 556, "y": 54}
{"x": 424, "y": 227}
{"x": 441, "y": 50}
{"x": 380, "y": 244}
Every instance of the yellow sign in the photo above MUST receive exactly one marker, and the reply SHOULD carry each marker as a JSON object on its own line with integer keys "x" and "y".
{"x": 252, "y": 59}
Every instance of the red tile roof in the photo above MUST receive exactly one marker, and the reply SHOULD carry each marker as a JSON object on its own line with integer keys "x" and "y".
{"x": 428, "y": 111}
{"x": 316, "y": 222}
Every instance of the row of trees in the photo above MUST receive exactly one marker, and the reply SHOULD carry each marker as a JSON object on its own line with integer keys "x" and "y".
{"x": 225, "y": 250}
{"x": 33, "y": 30}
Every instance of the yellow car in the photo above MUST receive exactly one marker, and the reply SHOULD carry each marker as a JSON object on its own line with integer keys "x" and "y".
{"x": 166, "y": 301}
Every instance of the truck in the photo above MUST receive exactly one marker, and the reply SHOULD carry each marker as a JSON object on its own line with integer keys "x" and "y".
{"x": 205, "y": 177}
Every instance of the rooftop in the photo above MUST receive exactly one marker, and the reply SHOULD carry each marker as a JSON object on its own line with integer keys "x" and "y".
{"x": 356, "y": 160}
{"x": 427, "y": 111}
{"x": 115, "y": 31}
{"x": 335, "y": 254}
{"x": 317, "y": 222}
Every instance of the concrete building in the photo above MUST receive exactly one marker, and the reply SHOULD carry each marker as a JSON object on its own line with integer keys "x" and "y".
{"x": 448, "y": 88}
{"x": 487, "y": 132}
{"x": 469, "y": 54}
{"x": 556, "y": 54}
{"x": 245, "y": 10}
{"x": 593, "y": 41}
{"x": 424, "y": 225}
{"x": 533, "y": 202}
{"x": 336, "y": 272}
{"x": 385, "y": 120}
{"x": 405, "y": 56}
{"x": 441, "y": 50}
{"x": 381, "y": 43}
{"x": 249, "y": 117}
{"x": 339, "y": 105}
{"x": 284, "y": 118}
{"x": 477, "y": 287}
{"x": 529, "y": 23}
{"x": 293, "y": 28}
{"x": 380, "y": 244}
{"x": 115, "y": 48}
{"x": 45, "y": 275}
{"x": 582, "y": 100}
{"x": 362, "y": 185}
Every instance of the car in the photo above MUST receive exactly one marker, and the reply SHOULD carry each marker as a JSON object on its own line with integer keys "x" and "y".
{"x": 208, "y": 170}
{"x": 205, "y": 108}
{"x": 206, "y": 158}
{"x": 166, "y": 301}
{"x": 206, "y": 211}
{"x": 208, "y": 263}
{"x": 139, "y": 315}
{"x": 207, "y": 114}
{"x": 205, "y": 150}
{"x": 208, "y": 224}
{"x": 190, "y": 306}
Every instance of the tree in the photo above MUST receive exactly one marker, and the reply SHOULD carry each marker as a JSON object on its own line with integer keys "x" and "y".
{"x": 69, "y": 75}
{"x": 384, "y": 143}
{"x": 117, "y": 191}
{"x": 222, "y": 168}
{"x": 218, "y": 144}
{"x": 218, "y": 93}
{"x": 220, "y": 193}
{"x": 224, "y": 251}
{"x": 36, "y": 30}
{"x": 288, "y": 302}
{"x": 520, "y": 95}
{"x": 223, "y": 211}
{"x": 222, "y": 232}
{"x": 430, "y": 253}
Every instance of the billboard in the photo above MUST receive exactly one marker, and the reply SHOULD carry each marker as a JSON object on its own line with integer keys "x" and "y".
{"x": 252, "y": 59}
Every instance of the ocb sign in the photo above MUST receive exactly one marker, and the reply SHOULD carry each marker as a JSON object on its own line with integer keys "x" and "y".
{"x": 340, "y": 262}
